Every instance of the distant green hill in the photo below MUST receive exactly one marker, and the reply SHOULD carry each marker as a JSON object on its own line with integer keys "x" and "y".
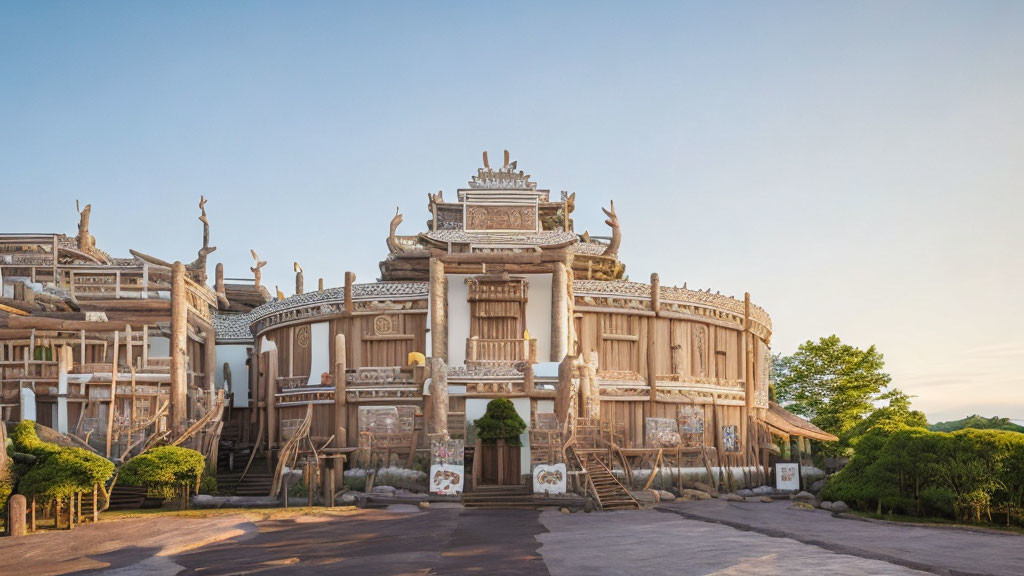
{"x": 978, "y": 423}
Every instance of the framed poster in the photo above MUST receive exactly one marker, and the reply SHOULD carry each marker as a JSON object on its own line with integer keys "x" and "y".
{"x": 787, "y": 476}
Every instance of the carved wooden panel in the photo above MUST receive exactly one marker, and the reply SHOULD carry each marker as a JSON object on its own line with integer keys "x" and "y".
{"x": 501, "y": 217}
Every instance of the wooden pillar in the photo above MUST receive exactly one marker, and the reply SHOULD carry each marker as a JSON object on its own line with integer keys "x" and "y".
{"x": 16, "y": 506}
{"x": 210, "y": 358}
{"x": 438, "y": 398}
{"x": 748, "y": 338}
{"x": 652, "y": 343}
{"x": 340, "y": 402}
{"x": 438, "y": 311}
{"x": 271, "y": 404}
{"x": 95, "y": 503}
{"x": 112, "y": 406}
{"x": 179, "y": 352}
{"x": 350, "y": 279}
{"x": 559, "y": 312}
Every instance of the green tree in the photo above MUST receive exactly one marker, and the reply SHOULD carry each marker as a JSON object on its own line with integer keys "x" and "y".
{"x": 500, "y": 422}
{"x": 833, "y": 384}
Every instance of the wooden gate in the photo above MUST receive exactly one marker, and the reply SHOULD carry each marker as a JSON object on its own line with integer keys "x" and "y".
{"x": 499, "y": 465}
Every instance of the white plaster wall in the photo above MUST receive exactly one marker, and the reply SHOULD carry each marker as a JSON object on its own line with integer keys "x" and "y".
{"x": 319, "y": 354}
{"x": 538, "y": 313}
{"x": 538, "y": 316}
{"x": 235, "y": 355}
{"x": 458, "y": 319}
{"x": 475, "y": 408}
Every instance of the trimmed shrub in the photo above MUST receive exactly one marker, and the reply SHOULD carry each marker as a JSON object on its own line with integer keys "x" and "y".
{"x": 500, "y": 422}
{"x": 963, "y": 475}
{"x": 164, "y": 470}
{"x": 57, "y": 472}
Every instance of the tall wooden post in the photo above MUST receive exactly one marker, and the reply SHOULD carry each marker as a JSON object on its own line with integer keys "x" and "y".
{"x": 271, "y": 404}
{"x": 112, "y": 406}
{"x": 16, "y": 515}
{"x": 748, "y": 338}
{"x": 350, "y": 280}
{"x": 438, "y": 311}
{"x": 559, "y": 312}
{"x": 210, "y": 358}
{"x": 652, "y": 340}
{"x": 438, "y": 397}
{"x": 340, "y": 401}
{"x": 179, "y": 339}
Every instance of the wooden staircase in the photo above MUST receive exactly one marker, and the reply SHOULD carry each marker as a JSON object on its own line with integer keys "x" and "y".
{"x": 257, "y": 482}
{"x": 500, "y": 497}
{"x": 610, "y": 493}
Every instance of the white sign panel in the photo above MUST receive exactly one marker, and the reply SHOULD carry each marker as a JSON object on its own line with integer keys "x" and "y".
{"x": 549, "y": 478}
{"x": 787, "y": 476}
{"x": 446, "y": 479}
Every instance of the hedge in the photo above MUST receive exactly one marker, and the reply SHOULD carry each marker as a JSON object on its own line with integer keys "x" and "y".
{"x": 965, "y": 475}
{"x": 57, "y": 472}
{"x": 164, "y": 469}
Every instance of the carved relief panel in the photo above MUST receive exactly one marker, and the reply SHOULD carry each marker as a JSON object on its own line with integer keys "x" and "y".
{"x": 479, "y": 217}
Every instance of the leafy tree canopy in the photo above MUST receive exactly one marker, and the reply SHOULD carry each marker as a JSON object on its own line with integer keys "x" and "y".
{"x": 835, "y": 385}
{"x": 978, "y": 423}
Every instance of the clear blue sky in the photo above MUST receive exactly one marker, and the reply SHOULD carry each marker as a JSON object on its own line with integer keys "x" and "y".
{"x": 857, "y": 167}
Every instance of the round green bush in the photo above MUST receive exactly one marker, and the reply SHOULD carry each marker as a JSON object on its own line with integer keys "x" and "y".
{"x": 164, "y": 469}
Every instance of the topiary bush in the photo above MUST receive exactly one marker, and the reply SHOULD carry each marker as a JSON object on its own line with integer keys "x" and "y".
{"x": 56, "y": 472}
{"x": 164, "y": 470}
{"x": 500, "y": 422}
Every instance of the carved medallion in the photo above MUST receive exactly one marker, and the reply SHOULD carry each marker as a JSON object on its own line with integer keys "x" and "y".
{"x": 383, "y": 325}
{"x": 302, "y": 336}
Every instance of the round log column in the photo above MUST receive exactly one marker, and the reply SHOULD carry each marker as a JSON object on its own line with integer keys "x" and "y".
{"x": 16, "y": 507}
{"x": 340, "y": 403}
{"x": 438, "y": 397}
{"x": 438, "y": 311}
{"x": 559, "y": 312}
{"x": 179, "y": 336}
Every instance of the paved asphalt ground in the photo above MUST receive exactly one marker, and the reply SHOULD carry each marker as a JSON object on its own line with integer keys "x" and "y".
{"x": 677, "y": 538}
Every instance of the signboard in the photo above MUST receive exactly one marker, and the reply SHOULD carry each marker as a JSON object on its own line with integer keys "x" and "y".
{"x": 447, "y": 466}
{"x": 549, "y": 478}
{"x": 446, "y": 479}
{"x": 787, "y": 476}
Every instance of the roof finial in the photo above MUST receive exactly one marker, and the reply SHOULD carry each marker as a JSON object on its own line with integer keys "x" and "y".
{"x": 486, "y": 163}
{"x": 506, "y": 160}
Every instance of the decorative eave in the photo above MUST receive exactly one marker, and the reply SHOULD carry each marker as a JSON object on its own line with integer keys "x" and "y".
{"x": 371, "y": 297}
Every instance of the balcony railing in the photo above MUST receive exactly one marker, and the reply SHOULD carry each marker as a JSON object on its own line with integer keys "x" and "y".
{"x": 496, "y": 351}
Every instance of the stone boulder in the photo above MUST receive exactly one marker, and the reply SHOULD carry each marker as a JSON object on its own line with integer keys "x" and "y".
{"x": 733, "y": 498}
{"x": 705, "y": 488}
{"x": 804, "y": 497}
{"x": 825, "y": 505}
{"x": 666, "y": 496}
{"x": 691, "y": 494}
{"x": 766, "y": 499}
{"x": 838, "y": 507}
{"x": 387, "y": 490}
{"x": 762, "y": 490}
{"x": 745, "y": 492}
{"x": 817, "y": 486}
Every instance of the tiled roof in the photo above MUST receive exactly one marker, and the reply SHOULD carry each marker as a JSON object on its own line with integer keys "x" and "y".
{"x": 591, "y": 248}
{"x": 370, "y": 291}
{"x": 542, "y": 238}
{"x": 781, "y": 419}
{"x": 233, "y": 327}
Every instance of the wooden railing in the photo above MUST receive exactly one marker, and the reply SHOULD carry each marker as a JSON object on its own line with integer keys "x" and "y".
{"x": 490, "y": 351}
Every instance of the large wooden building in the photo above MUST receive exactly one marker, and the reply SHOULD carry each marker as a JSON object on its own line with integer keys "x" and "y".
{"x": 500, "y": 296}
